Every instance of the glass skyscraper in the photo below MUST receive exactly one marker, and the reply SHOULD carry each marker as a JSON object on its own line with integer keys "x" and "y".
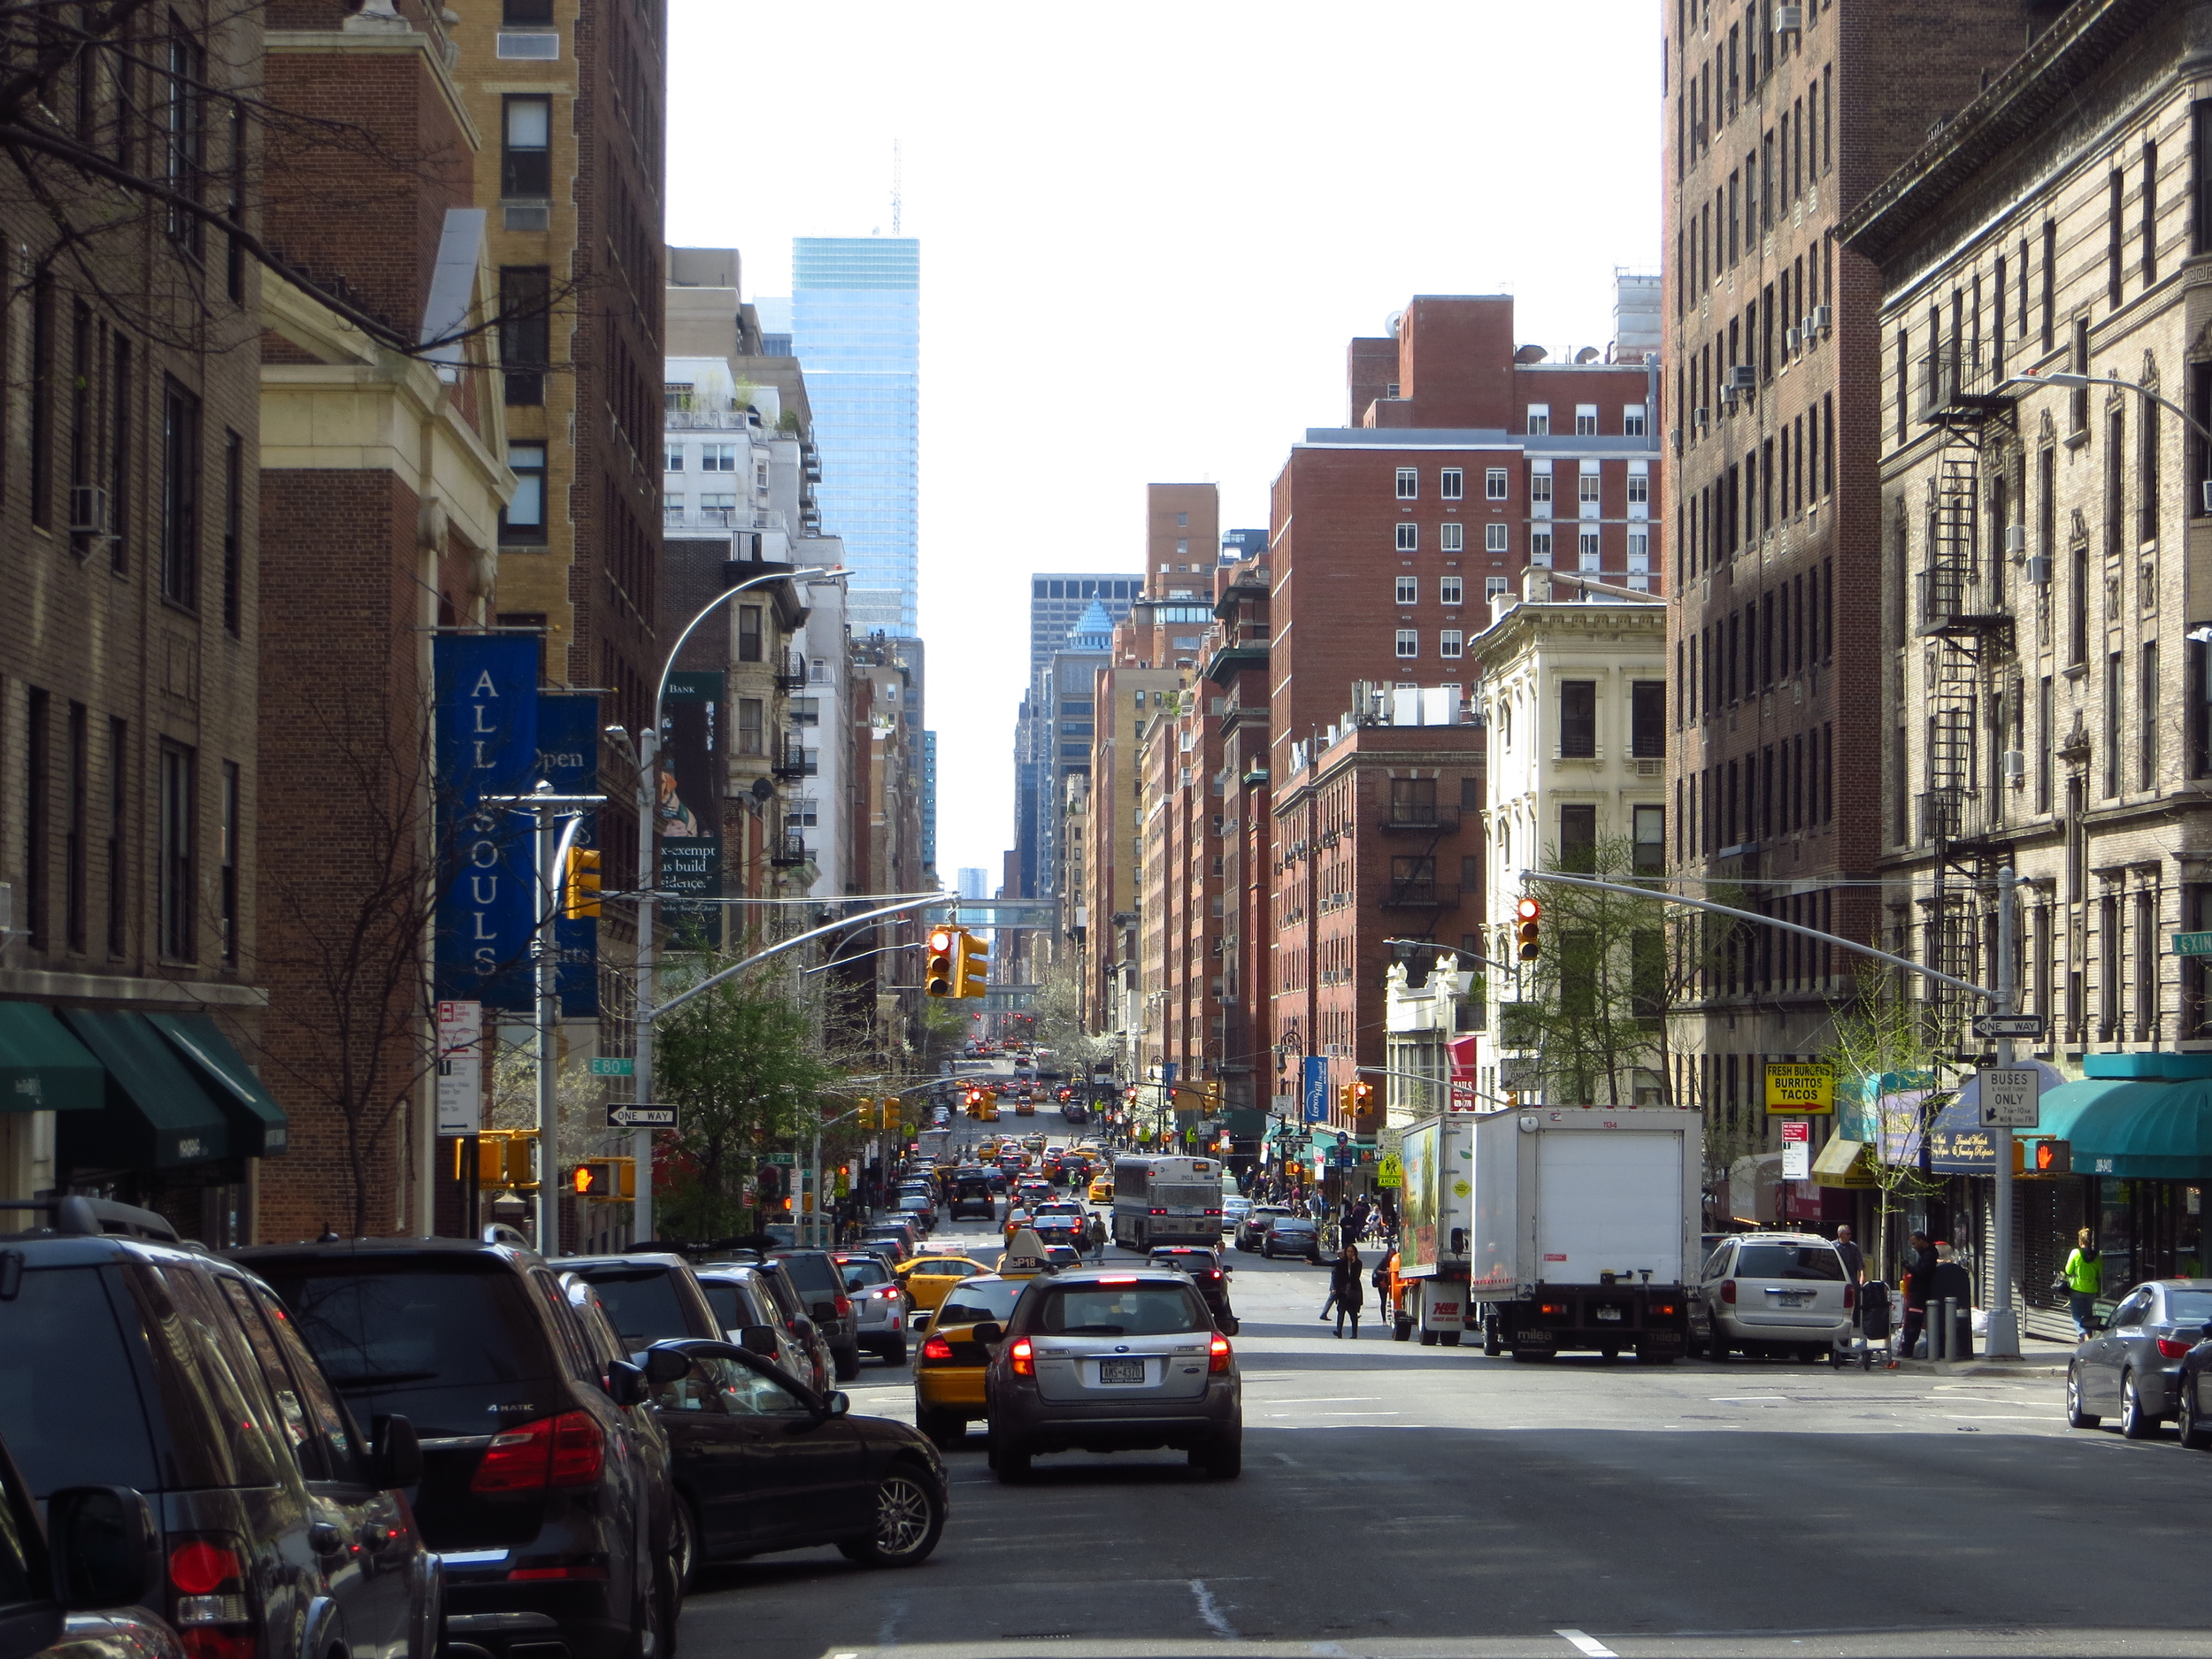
{"x": 857, "y": 330}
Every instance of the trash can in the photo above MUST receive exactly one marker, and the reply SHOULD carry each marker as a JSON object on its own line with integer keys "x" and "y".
{"x": 1873, "y": 1317}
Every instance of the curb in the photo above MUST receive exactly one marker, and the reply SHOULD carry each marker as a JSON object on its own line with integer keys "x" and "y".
{"x": 1981, "y": 1367}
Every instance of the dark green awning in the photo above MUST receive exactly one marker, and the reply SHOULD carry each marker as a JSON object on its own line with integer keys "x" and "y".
{"x": 42, "y": 1068}
{"x": 2146, "y": 1131}
{"x": 258, "y": 1128}
{"x": 158, "y": 1114}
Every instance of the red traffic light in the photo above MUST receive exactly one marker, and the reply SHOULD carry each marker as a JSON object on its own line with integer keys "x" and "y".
{"x": 941, "y": 939}
{"x": 1528, "y": 910}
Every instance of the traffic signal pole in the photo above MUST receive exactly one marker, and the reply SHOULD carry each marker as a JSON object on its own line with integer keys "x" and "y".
{"x": 2003, "y": 1340}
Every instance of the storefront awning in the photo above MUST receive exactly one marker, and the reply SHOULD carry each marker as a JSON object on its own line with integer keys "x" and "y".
{"x": 1845, "y": 1163}
{"x": 2144, "y": 1131}
{"x": 158, "y": 1114}
{"x": 258, "y": 1128}
{"x": 42, "y": 1068}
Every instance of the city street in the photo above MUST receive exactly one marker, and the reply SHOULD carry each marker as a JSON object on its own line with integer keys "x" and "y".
{"x": 1403, "y": 1501}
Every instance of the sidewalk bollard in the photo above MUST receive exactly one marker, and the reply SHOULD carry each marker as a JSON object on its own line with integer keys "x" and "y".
{"x": 1937, "y": 1320}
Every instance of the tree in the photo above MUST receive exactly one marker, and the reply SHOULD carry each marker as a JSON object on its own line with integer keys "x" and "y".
{"x": 1057, "y": 1003}
{"x": 1882, "y": 1044}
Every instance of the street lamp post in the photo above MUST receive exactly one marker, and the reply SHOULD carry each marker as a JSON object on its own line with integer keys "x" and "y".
{"x": 648, "y": 879}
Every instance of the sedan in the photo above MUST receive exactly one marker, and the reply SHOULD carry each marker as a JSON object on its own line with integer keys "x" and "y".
{"x": 1291, "y": 1235}
{"x": 1205, "y": 1266}
{"x": 2135, "y": 1365}
{"x": 766, "y": 1463}
{"x": 1254, "y": 1224}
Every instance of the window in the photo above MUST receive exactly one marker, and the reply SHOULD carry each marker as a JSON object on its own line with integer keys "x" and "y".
{"x": 1634, "y": 421}
{"x": 1539, "y": 493}
{"x": 1539, "y": 421}
{"x": 1540, "y": 548}
{"x": 673, "y": 460}
{"x": 1448, "y": 590}
{"x": 234, "y": 534}
{"x": 748, "y": 634}
{"x": 1408, "y": 483}
{"x": 180, "y": 496}
{"x": 2148, "y": 695}
{"x": 1493, "y": 587}
{"x": 120, "y": 467}
{"x": 1639, "y": 492}
{"x": 525, "y": 157}
{"x": 1493, "y": 538}
{"x": 1586, "y": 550}
{"x": 1586, "y": 495}
{"x": 1647, "y": 719}
{"x": 230, "y": 828}
{"x": 1586, "y": 420}
{"x": 525, "y": 332}
{"x": 1493, "y": 483}
{"x": 178, "y": 875}
{"x": 1579, "y": 719}
{"x": 1651, "y": 840}
{"x": 1408, "y": 642}
{"x": 1408, "y": 590}
{"x": 38, "y": 808}
{"x": 1182, "y": 521}
{"x": 183, "y": 134}
{"x": 1577, "y": 836}
{"x": 1447, "y": 643}
{"x": 524, "y": 519}
{"x": 1452, "y": 536}
{"x": 2114, "y": 686}
{"x": 718, "y": 457}
{"x": 1451, "y": 483}
{"x": 1409, "y": 537}
{"x": 522, "y": 13}
{"x": 118, "y": 816}
{"x": 752, "y": 726}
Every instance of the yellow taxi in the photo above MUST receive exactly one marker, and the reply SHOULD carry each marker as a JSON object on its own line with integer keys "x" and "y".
{"x": 1101, "y": 1190}
{"x": 926, "y": 1279}
{"x": 948, "y": 1371}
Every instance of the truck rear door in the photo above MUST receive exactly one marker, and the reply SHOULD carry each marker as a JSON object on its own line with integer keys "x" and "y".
{"x": 1609, "y": 1200}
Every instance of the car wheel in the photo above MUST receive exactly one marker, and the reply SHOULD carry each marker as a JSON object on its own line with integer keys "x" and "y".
{"x": 2135, "y": 1422}
{"x": 845, "y": 1362}
{"x": 683, "y": 1545}
{"x": 909, "y": 1518}
{"x": 1267, "y": 1252}
{"x": 1223, "y": 1460}
{"x": 2076, "y": 1418}
{"x": 648, "y": 1638}
{"x": 1011, "y": 1465}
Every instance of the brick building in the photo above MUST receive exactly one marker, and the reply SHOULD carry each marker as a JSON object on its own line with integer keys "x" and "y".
{"x": 1123, "y": 698}
{"x": 1237, "y": 689}
{"x": 1773, "y": 371}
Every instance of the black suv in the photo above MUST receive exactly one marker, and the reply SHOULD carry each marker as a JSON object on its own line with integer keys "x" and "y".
{"x": 821, "y": 1287}
{"x": 74, "y": 1593}
{"x": 553, "y": 1513}
{"x": 649, "y": 1296}
{"x": 135, "y": 1362}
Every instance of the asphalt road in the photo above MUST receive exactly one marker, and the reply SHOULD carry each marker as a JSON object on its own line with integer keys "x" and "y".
{"x": 1409, "y": 1503}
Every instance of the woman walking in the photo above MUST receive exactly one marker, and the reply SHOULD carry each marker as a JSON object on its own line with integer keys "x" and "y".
{"x": 2084, "y": 1276}
{"x": 1345, "y": 1289}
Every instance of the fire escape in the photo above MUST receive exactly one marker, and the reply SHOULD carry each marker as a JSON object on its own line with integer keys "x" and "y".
{"x": 1966, "y": 634}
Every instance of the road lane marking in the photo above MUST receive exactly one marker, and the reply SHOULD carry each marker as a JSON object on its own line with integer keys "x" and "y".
{"x": 1587, "y": 1645}
{"x": 1209, "y": 1610}
{"x": 1323, "y": 1399}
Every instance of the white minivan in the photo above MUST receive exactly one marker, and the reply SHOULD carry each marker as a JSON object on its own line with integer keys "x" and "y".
{"x": 1763, "y": 1292}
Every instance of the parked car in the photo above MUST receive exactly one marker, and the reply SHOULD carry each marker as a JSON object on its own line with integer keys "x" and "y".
{"x": 1292, "y": 1235}
{"x": 2138, "y": 1365}
{"x": 742, "y": 1297}
{"x": 1108, "y": 1360}
{"x": 821, "y": 1289}
{"x": 1771, "y": 1293}
{"x": 1254, "y": 1224}
{"x": 1206, "y": 1271}
{"x": 899, "y": 1242}
{"x": 74, "y": 1595}
{"x": 531, "y": 1489}
{"x": 878, "y": 1305}
{"x": 1234, "y": 1207}
{"x": 763, "y": 1463}
{"x": 609, "y": 1352}
{"x": 149, "y": 1386}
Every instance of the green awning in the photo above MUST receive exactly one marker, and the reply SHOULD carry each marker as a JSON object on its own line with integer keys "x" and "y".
{"x": 158, "y": 1114}
{"x": 42, "y": 1068}
{"x": 258, "y": 1128}
{"x": 2146, "y": 1131}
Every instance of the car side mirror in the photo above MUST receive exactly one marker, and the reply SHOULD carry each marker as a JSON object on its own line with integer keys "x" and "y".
{"x": 758, "y": 1339}
{"x": 824, "y": 1311}
{"x": 664, "y": 1365}
{"x": 625, "y": 1382}
{"x": 990, "y": 1331}
{"x": 104, "y": 1549}
{"x": 2205, "y": 1334}
{"x": 398, "y": 1453}
{"x": 836, "y": 1403}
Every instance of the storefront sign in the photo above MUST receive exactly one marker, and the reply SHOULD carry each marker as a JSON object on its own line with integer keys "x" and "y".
{"x": 1798, "y": 1087}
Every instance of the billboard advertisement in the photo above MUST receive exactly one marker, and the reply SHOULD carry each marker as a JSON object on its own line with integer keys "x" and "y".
{"x": 687, "y": 818}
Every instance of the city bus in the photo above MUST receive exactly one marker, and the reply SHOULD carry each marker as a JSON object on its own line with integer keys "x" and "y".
{"x": 1166, "y": 1201}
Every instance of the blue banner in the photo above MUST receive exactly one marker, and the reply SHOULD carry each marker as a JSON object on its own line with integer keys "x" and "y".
{"x": 568, "y": 749}
{"x": 486, "y": 725}
{"x": 1317, "y": 1088}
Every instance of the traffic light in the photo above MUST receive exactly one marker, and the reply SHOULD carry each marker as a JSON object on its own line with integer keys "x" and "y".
{"x": 580, "y": 883}
{"x": 503, "y": 1158}
{"x": 937, "y": 972}
{"x": 608, "y": 1180}
{"x": 1529, "y": 931}
{"x": 1363, "y": 1100}
{"x": 1344, "y": 1099}
{"x": 971, "y": 965}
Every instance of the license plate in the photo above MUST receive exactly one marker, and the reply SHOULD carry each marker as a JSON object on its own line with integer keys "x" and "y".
{"x": 1793, "y": 1298}
{"x": 1121, "y": 1371}
{"x": 1612, "y": 1314}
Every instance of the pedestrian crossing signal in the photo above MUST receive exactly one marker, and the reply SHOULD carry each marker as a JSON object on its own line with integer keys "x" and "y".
{"x": 606, "y": 1179}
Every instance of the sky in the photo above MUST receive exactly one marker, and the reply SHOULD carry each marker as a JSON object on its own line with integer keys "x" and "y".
{"x": 1148, "y": 232}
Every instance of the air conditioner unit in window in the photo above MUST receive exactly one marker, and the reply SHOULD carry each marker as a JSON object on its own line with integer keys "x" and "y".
{"x": 1824, "y": 317}
{"x": 87, "y": 510}
{"x": 1789, "y": 19}
{"x": 2016, "y": 538}
{"x": 1701, "y": 416}
{"x": 2016, "y": 764}
{"x": 2038, "y": 569}
{"x": 1789, "y": 339}
{"x": 1742, "y": 377}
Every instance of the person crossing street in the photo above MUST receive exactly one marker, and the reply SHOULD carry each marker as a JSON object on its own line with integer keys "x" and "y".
{"x": 1345, "y": 1291}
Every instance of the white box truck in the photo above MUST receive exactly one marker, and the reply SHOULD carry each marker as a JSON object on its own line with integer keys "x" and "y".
{"x": 1436, "y": 1205}
{"x": 1584, "y": 1231}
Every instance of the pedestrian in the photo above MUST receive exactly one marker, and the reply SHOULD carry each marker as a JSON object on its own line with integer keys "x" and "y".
{"x": 1919, "y": 1273}
{"x": 1094, "y": 1235}
{"x": 1344, "y": 1288}
{"x": 2083, "y": 1277}
{"x": 1854, "y": 1257}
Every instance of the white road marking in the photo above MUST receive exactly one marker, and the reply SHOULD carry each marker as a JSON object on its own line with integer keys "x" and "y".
{"x": 1208, "y": 1609}
{"x": 1323, "y": 1399}
{"x": 1760, "y": 1400}
{"x": 1587, "y": 1645}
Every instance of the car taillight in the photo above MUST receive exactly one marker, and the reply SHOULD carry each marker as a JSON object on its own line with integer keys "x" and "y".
{"x": 1850, "y": 1299}
{"x": 1728, "y": 1290}
{"x": 937, "y": 1348}
{"x": 844, "y": 1307}
{"x": 1024, "y": 1356}
{"x": 1217, "y": 1354}
{"x": 207, "y": 1596}
{"x": 1157, "y": 1212}
{"x": 2172, "y": 1348}
{"x": 563, "y": 1451}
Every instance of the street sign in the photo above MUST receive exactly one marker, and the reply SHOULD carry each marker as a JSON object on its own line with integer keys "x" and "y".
{"x": 2193, "y": 944}
{"x": 1796, "y": 1088}
{"x": 624, "y": 1115}
{"x": 782, "y": 1160}
{"x": 605, "y": 1065}
{"x": 2011, "y": 1098}
{"x": 2016, "y": 1025}
{"x": 1797, "y": 1149}
{"x": 1391, "y": 1171}
{"x": 1520, "y": 1073}
{"x": 460, "y": 1067}
{"x": 1798, "y": 1130}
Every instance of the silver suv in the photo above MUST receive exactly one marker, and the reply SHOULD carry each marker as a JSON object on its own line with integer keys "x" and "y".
{"x": 1099, "y": 1361}
{"x": 1771, "y": 1292}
